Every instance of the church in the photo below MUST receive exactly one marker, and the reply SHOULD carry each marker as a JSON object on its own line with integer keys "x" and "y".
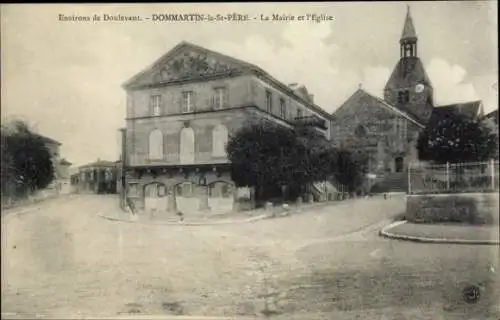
{"x": 387, "y": 129}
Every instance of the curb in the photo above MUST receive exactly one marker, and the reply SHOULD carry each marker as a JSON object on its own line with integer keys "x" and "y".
{"x": 384, "y": 233}
{"x": 32, "y": 206}
{"x": 123, "y": 316}
{"x": 160, "y": 223}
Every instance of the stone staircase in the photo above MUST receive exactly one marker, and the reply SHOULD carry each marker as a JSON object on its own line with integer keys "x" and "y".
{"x": 324, "y": 191}
{"x": 392, "y": 182}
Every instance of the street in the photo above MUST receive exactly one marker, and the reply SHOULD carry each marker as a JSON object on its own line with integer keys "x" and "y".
{"x": 63, "y": 259}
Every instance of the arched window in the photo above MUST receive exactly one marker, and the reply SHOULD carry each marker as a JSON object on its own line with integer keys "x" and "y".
{"x": 187, "y": 146}
{"x": 219, "y": 141}
{"x": 156, "y": 144}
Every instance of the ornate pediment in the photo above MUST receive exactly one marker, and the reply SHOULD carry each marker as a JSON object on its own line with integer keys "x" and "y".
{"x": 191, "y": 65}
{"x": 186, "y": 62}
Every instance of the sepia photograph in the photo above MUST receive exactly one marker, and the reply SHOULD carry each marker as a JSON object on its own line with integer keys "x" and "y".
{"x": 316, "y": 160}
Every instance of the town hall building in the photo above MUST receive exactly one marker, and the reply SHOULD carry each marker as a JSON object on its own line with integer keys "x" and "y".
{"x": 181, "y": 112}
{"x": 387, "y": 129}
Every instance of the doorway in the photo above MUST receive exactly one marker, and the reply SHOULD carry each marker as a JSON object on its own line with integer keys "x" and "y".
{"x": 399, "y": 164}
{"x": 155, "y": 197}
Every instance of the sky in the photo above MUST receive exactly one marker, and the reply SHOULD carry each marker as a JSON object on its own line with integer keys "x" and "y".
{"x": 64, "y": 78}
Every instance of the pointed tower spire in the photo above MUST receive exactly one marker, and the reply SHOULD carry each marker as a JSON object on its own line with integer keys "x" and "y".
{"x": 408, "y": 41}
{"x": 408, "y": 29}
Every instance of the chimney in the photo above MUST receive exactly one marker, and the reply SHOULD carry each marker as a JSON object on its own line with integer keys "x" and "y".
{"x": 311, "y": 98}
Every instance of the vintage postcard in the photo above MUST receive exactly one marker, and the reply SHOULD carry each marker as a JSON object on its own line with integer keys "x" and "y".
{"x": 250, "y": 160}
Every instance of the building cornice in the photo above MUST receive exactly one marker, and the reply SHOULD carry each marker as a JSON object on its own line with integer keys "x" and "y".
{"x": 163, "y": 84}
{"x": 291, "y": 93}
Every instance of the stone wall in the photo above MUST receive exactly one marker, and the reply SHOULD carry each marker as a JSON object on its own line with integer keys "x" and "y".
{"x": 470, "y": 208}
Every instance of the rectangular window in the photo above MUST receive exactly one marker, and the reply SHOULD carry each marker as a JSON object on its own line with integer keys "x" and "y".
{"x": 187, "y": 101}
{"x": 299, "y": 113}
{"x": 156, "y": 105}
{"x": 219, "y": 98}
{"x": 283, "y": 108}
{"x": 269, "y": 101}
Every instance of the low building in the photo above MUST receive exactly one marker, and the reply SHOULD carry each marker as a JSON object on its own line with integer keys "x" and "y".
{"x": 97, "y": 177}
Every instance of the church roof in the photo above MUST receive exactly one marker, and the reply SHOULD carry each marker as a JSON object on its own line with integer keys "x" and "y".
{"x": 493, "y": 115}
{"x": 408, "y": 71}
{"x": 408, "y": 29}
{"x": 372, "y": 101}
{"x": 470, "y": 109}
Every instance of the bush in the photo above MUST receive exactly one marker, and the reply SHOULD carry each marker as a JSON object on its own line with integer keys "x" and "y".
{"x": 458, "y": 208}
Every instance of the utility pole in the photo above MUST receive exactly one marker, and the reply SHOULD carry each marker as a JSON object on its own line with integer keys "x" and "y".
{"x": 123, "y": 171}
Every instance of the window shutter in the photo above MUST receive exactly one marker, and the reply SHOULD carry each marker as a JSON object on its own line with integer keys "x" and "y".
{"x": 212, "y": 102}
{"x": 162, "y": 110}
{"x": 180, "y": 103}
{"x": 225, "y": 103}
{"x": 193, "y": 101}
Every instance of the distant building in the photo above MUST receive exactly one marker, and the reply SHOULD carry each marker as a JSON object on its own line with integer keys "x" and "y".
{"x": 97, "y": 177}
{"x": 60, "y": 165}
{"x": 387, "y": 129}
{"x": 491, "y": 120}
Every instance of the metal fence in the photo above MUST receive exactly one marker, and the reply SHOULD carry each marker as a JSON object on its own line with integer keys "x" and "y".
{"x": 426, "y": 178}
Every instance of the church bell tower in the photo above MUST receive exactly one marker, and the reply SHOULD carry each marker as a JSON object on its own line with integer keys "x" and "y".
{"x": 409, "y": 89}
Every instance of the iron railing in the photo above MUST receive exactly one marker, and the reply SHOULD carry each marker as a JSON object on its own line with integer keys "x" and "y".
{"x": 426, "y": 178}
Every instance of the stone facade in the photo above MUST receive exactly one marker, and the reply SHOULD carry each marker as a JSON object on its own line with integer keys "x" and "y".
{"x": 368, "y": 124}
{"x": 181, "y": 113}
{"x": 473, "y": 208}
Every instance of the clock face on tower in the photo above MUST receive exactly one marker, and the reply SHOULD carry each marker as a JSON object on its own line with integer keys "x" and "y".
{"x": 419, "y": 88}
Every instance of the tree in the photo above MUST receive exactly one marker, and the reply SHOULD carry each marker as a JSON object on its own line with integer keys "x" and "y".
{"x": 268, "y": 157}
{"x": 351, "y": 168}
{"x": 261, "y": 156}
{"x": 26, "y": 161}
{"x": 457, "y": 138}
